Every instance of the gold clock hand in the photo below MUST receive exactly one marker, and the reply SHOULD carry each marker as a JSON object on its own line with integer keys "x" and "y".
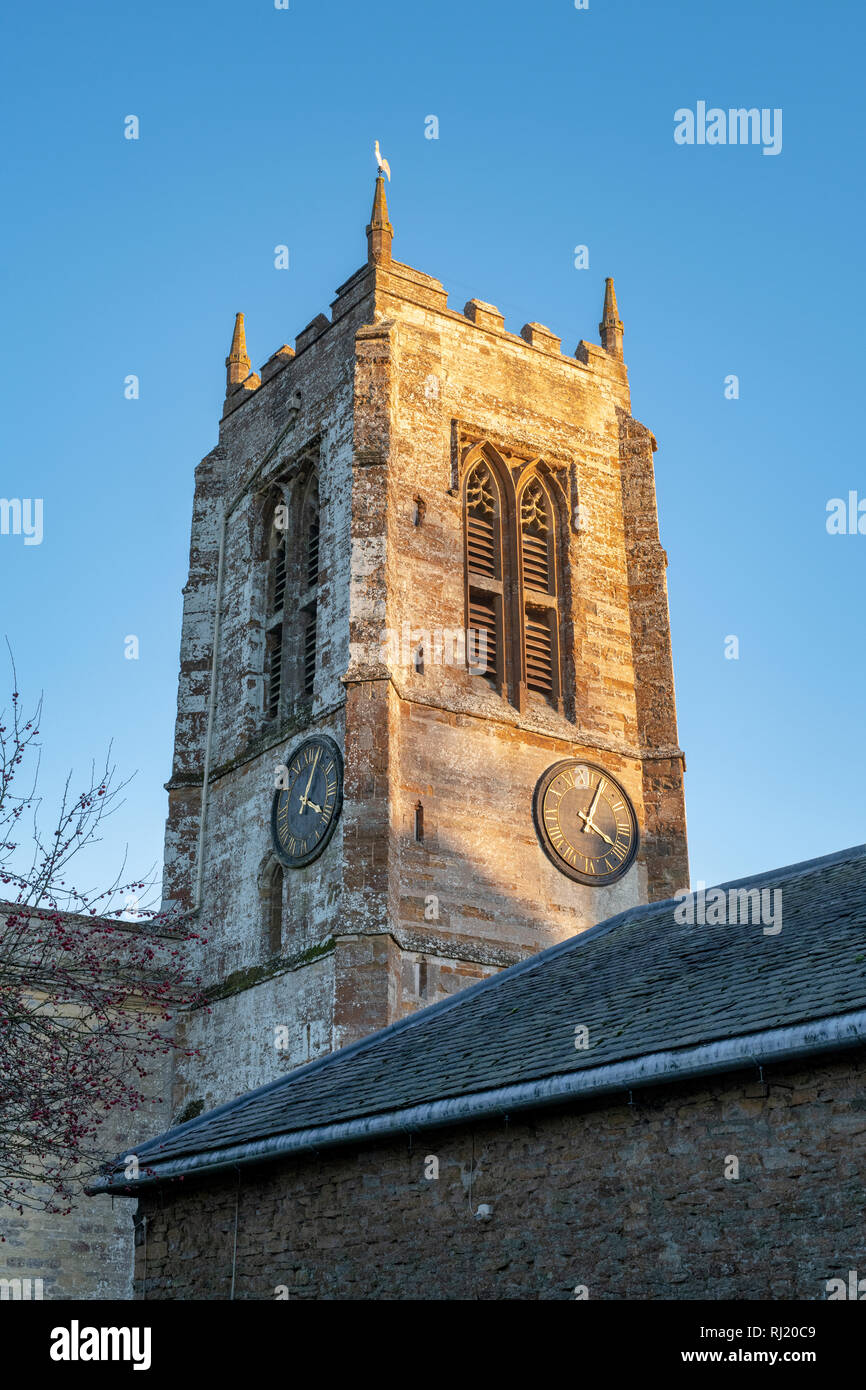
{"x": 591, "y": 825}
{"x": 587, "y": 817}
{"x": 310, "y": 779}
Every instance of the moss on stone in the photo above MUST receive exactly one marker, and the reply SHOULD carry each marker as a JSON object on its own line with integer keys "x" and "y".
{"x": 252, "y": 975}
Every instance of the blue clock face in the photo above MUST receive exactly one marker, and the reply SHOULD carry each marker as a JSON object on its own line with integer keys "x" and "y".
{"x": 306, "y": 811}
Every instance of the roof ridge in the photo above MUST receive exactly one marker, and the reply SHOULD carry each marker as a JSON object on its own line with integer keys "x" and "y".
{"x": 797, "y": 870}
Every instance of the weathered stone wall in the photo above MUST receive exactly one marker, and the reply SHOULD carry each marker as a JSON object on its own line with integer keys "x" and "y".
{"x": 480, "y": 856}
{"x": 87, "y": 1252}
{"x": 258, "y": 1027}
{"x": 628, "y": 1200}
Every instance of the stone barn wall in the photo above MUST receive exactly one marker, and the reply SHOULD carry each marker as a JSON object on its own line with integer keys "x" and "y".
{"x": 629, "y": 1201}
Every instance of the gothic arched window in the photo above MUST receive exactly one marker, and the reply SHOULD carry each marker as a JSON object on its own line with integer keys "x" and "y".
{"x": 538, "y": 591}
{"x": 485, "y": 595}
{"x": 512, "y": 581}
{"x": 275, "y": 603}
{"x": 309, "y": 589}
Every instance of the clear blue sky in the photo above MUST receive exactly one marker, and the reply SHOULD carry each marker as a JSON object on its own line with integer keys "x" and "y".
{"x": 555, "y": 129}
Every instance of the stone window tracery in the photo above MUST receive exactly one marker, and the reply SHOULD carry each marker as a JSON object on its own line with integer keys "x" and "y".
{"x": 538, "y": 591}
{"x": 275, "y": 644}
{"x": 512, "y": 585}
{"x": 484, "y": 572}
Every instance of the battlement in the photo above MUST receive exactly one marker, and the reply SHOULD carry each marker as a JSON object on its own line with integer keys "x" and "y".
{"x": 383, "y": 281}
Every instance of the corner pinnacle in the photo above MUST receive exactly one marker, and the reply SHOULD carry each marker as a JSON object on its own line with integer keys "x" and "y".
{"x": 380, "y": 233}
{"x": 610, "y": 328}
{"x": 238, "y": 362}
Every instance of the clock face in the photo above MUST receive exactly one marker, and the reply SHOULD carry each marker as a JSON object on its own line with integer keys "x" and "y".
{"x": 306, "y": 811}
{"x": 586, "y": 822}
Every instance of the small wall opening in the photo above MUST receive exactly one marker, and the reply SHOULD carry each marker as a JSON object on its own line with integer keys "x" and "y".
{"x": 274, "y": 911}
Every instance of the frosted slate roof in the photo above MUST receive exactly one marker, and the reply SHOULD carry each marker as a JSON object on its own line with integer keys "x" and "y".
{"x": 641, "y": 983}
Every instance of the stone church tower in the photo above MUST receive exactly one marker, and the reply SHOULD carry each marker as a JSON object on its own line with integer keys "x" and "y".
{"x": 424, "y": 572}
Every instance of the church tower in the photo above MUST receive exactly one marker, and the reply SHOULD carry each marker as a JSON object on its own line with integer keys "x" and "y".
{"x": 426, "y": 721}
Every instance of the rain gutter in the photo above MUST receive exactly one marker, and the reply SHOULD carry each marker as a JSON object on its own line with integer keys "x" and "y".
{"x": 774, "y": 1045}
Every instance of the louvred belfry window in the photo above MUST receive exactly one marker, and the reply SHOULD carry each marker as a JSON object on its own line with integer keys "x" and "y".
{"x": 484, "y": 633}
{"x": 539, "y": 654}
{"x": 539, "y": 591}
{"x": 279, "y": 575}
{"x": 274, "y": 670}
{"x": 309, "y": 585}
{"x": 313, "y": 549}
{"x": 309, "y": 651}
{"x": 291, "y": 550}
{"x": 275, "y": 599}
{"x": 484, "y": 547}
{"x": 484, "y": 576}
{"x": 536, "y": 537}
{"x": 535, "y": 532}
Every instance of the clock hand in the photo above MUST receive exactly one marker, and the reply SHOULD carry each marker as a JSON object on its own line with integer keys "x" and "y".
{"x": 311, "y": 804}
{"x": 591, "y": 825}
{"x": 591, "y": 812}
{"x": 310, "y": 780}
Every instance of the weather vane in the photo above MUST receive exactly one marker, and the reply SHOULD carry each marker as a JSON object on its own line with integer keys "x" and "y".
{"x": 382, "y": 163}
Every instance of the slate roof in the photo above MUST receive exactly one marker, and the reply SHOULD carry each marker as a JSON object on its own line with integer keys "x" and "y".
{"x": 641, "y": 983}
